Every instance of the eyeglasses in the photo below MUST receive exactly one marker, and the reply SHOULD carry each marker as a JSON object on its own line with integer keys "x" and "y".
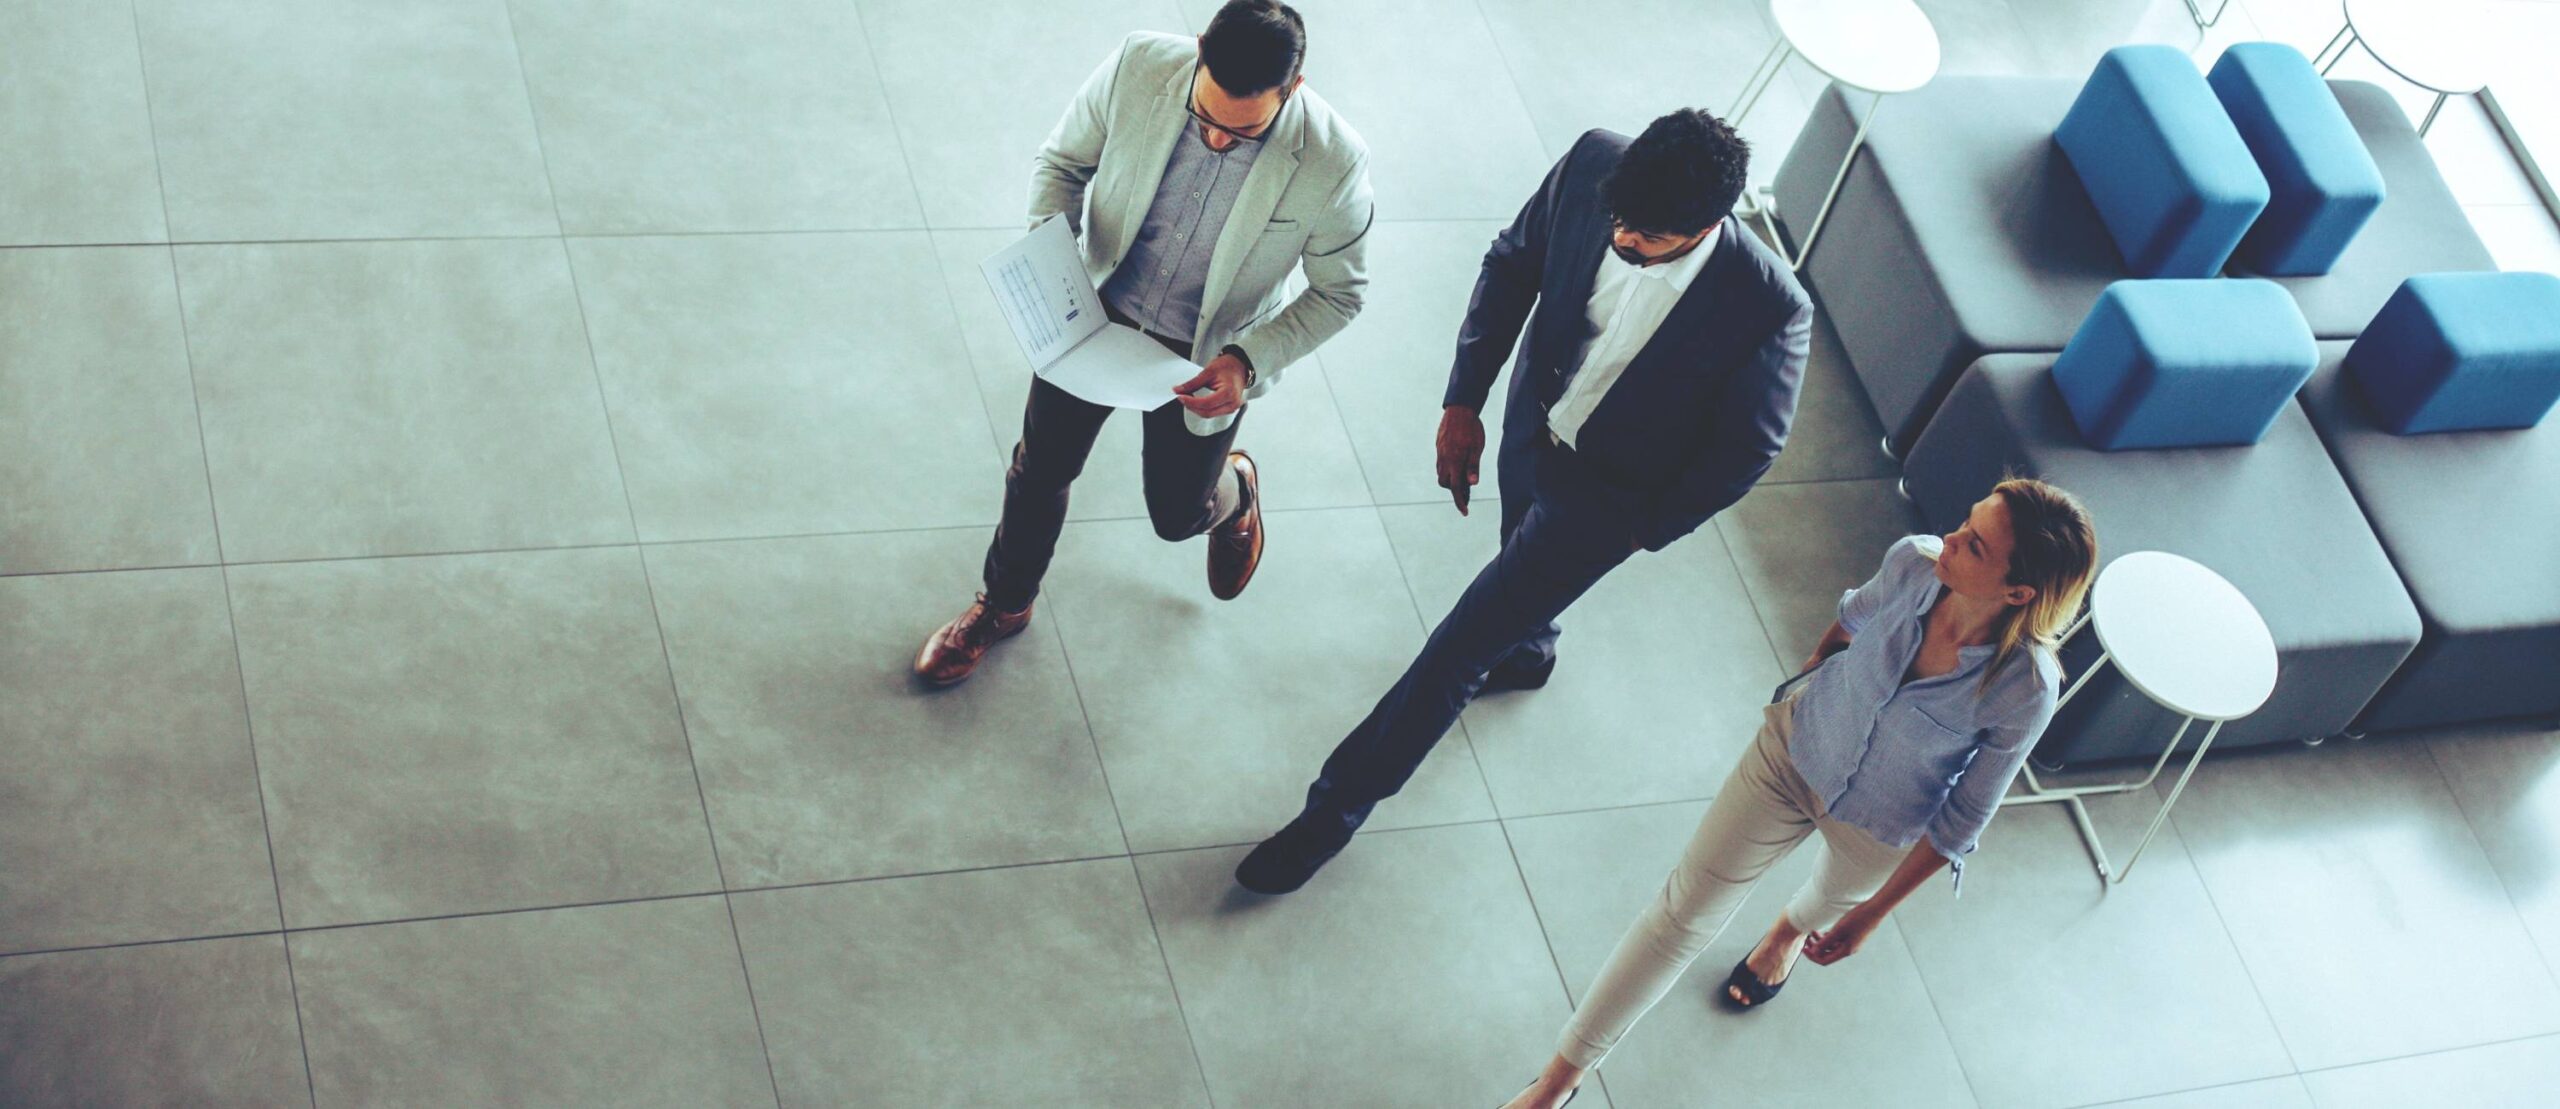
{"x": 1257, "y": 134}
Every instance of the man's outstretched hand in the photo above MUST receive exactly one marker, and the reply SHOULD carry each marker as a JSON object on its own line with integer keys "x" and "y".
{"x": 1224, "y": 378}
{"x": 1461, "y": 445}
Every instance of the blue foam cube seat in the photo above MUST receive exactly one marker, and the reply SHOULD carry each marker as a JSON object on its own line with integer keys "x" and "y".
{"x": 2323, "y": 184}
{"x": 2185, "y": 363}
{"x": 2169, "y": 175}
{"x": 2462, "y": 352}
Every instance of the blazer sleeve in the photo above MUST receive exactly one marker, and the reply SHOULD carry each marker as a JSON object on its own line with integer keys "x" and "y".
{"x": 1068, "y": 156}
{"x": 1743, "y": 438}
{"x": 1336, "y": 262}
{"x": 1506, "y": 288}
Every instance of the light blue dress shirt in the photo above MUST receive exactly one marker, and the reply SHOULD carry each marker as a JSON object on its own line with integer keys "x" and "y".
{"x": 1931, "y": 757}
{"x": 1165, "y": 275}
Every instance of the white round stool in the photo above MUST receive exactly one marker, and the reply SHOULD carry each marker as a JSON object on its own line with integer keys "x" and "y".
{"x": 2187, "y": 639}
{"x": 1873, "y": 46}
{"x": 2446, "y": 47}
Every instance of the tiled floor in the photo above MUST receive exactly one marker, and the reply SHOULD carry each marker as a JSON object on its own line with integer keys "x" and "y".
{"x": 477, "y": 471}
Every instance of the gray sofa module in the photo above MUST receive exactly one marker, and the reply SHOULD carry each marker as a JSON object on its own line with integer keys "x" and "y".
{"x": 2471, "y": 519}
{"x": 1961, "y": 230}
{"x": 2275, "y": 519}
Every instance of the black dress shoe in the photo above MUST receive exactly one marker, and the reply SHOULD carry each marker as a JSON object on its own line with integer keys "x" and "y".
{"x": 1293, "y": 854}
{"x": 1507, "y": 675}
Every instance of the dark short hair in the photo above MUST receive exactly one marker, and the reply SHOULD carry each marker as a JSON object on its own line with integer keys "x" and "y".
{"x": 1254, "y": 46}
{"x": 1680, "y": 177}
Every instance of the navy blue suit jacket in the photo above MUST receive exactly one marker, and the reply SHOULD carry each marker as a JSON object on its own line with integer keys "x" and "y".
{"x": 1703, "y": 409}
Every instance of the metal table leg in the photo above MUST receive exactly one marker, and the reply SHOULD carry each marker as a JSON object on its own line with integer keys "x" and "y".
{"x": 2070, "y": 797}
{"x": 2197, "y": 11}
{"x": 1762, "y": 76}
{"x": 1814, "y": 230}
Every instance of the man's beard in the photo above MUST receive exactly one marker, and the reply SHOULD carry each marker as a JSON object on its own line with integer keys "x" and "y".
{"x": 1627, "y": 256}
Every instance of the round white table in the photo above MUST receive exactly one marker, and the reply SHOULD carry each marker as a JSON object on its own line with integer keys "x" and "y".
{"x": 2187, "y": 639}
{"x": 2446, "y": 47}
{"x": 1879, "y": 47}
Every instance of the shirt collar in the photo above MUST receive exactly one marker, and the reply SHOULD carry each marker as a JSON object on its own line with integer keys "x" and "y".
{"x": 1678, "y": 273}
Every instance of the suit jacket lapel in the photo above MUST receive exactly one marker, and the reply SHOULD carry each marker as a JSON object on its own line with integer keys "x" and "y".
{"x": 1263, "y": 184}
{"x": 1166, "y": 120}
{"x": 1689, "y": 315}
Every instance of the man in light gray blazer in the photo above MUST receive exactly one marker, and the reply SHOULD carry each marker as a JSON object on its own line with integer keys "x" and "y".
{"x": 1200, "y": 173}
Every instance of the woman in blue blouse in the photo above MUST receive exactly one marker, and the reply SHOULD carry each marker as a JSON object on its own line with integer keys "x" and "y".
{"x": 1894, "y": 746}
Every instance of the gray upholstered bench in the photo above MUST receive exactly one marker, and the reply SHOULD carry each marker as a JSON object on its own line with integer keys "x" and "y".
{"x": 2276, "y": 519}
{"x": 1962, "y": 231}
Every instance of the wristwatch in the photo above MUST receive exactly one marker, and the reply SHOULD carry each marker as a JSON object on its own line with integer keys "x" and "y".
{"x": 1249, "y": 375}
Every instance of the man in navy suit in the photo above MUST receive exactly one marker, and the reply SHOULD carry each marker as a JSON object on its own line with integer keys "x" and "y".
{"x": 1656, "y": 385}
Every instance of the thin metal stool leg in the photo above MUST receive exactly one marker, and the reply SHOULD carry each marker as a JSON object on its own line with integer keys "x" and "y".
{"x": 1856, "y": 141}
{"x": 2352, "y": 40}
{"x": 2432, "y": 109}
{"x": 2332, "y": 44}
{"x": 1762, "y": 76}
{"x": 2162, "y": 816}
{"x": 2202, "y": 23}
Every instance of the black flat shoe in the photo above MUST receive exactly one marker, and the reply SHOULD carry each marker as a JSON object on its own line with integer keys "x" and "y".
{"x": 1507, "y": 676}
{"x": 1755, "y": 993}
{"x": 1292, "y": 855}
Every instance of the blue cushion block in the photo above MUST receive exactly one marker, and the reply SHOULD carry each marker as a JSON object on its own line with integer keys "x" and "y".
{"x": 2462, "y": 352}
{"x": 2171, "y": 178}
{"x": 2322, "y": 182}
{"x": 2185, "y": 363}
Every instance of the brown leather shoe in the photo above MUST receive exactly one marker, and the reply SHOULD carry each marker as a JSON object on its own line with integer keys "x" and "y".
{"x": 1235, "y": 547}
{"x": 953, "y": 653}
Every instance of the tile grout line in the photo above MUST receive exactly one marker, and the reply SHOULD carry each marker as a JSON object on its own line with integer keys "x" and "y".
{"x": 2205, "y": 886}
{"x": 2437, "y": 761}
{"x": 933, "y": 242}
{"x": 631, "y": 515}
{"x": 230, "y": 614}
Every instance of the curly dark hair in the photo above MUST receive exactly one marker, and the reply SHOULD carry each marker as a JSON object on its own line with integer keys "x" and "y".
{"x": 1680, "y": 177}
{"x": 1254, "y": 46}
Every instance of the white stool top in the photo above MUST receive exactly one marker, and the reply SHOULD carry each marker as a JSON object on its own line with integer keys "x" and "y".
{"x": 2447, "y": 46}
{"x": 1880, "y": 46}
{"x": 2182, "y": 635}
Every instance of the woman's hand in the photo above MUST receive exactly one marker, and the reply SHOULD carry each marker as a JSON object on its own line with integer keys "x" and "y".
{"x": 1843, "y": 939}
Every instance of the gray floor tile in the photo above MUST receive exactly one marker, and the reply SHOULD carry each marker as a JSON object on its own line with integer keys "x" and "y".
{"x": 972, "y": 118}
{"x": 2070, "y": 35}
{"x": 130, "y": 811}
{"x": 2157, "y": 999}
{"x": 1659, "y": 681}
{"x": 693, "y": 117}
{"x": 785, "y": 384}
{"x": 1981, "y": 37}
{"x": 1410, "y": 973}
{"x": 209, "y": 1023}
{"x": 1567, "y": 60}
{"x": 2507, "y": 778}
{"x": 103, "y": 463}
{"x": 1439, "y": 148}
{"x": 305, "y": 119}
{"x": 640, "y": 1004}
{"x": 1800, "y": 546}
{"x": 1213, "y": 716}
{"x": 1836, "y": 435}
{"x": 2519, "y": 236}
{"x": 2504, "y": 1076}
{"x": 1593, "y": 873}
{"x": 466, "y": 733}
{"x": 1390, "y": 368}
{"x": 2347, "y": 867}
{"x": 2474, "y": 158}
{"x": 2266, "y": 1093}
{"x": 1294, "y": 432}
{"x": 823, "y": 759}
{"x": 1026, "y": 986}
{"x": 77, "y": 128}
{"x": 398, "y": 398}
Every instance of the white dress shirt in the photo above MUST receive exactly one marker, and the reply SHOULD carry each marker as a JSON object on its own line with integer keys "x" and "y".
{"x": 1628, "y": 302}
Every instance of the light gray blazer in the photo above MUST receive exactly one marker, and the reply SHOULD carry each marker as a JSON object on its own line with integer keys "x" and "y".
{"x": 1306, "y": 201}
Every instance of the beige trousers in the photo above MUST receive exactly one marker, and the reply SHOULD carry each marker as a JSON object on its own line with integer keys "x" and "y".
{"x": 1764, "y": 810}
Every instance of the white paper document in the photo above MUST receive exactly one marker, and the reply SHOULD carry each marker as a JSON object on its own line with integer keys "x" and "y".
{"x": 1040, "y": 284}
